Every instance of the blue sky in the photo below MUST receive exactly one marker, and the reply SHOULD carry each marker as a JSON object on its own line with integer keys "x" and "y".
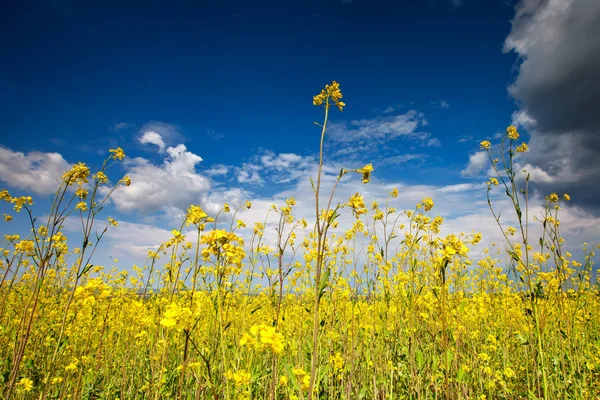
{"x": 232, "y": 81}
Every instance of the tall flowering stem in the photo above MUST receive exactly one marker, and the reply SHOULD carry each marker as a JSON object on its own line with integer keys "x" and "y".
{"x": 331, "y": 94}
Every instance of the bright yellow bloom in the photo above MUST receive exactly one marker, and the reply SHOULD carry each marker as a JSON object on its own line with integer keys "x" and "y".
{"x": 264, "y": 337}
{"x": 79, "y": 173}
{"x": 7, "y": 217}
{"x": 25, "y": 385}
{"x": 512, "y": 133}
{"x": 4, "y": 195}
{"x": 117, "y": 154}
{"x": 112, "y": 221}
{"x": 337, "y": 361}
{"x": 366, "y": 173}
{"x": 240, "y": 378}
{"x": 330, "y": 92}
{"x": 195, "y": 215}
{"x": 101, "y": 177}
{"x": 485, "y": 145}
{"x": 566, "y": 197}
{"x": 82, "y": 205}
{"x": 25, "y": 246}
{"x": 427, "y": 203}
{"x": 81, "y": 193}
{"x": 452, "y": 246}
{"x": 394, "y": 192}
{"x": 522, "y": 148}
{"x": 553, "y": 198}
{"x": 357, "y": 204}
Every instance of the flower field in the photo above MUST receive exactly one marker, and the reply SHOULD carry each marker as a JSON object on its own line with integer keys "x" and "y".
{"x": 386, "y": 308}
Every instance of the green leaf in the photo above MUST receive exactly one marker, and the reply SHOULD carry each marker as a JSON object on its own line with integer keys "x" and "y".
{"x": 420, "y": 359}
{"x": 362, "y": 393}
{"x": 449, "y": 357}
{"x": 324, "y": 282}
{"x": 522, "y": 340}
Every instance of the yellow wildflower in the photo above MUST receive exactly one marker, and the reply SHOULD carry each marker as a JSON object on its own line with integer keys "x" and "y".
{"x": 522, "y": 148}
{"x": 366, "y": 173}
{"x": 117, "y": 154}
{"x": 25, "y": 385}
{"x": 512, "y": 133}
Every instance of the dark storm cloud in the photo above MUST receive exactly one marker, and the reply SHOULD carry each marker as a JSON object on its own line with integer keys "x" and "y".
{"x": 558, "y": 87}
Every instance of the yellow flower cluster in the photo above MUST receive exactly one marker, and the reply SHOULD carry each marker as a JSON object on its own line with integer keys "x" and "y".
{"x": 485, "y": 145}
{"x": 79, "y": 174}
{"x": 452, "y": 246}
{"x": 176, "y": 317}
{"x": 512, "y": 133}
{"x": 366, "y": 173}
{"x": 330, "y": 92}
{"x": 263, "y": 337}
{"x": 224, "y": 245}
{"x": 240, "y": 377}
{"x": 196, "y": 216}
{"x": 357, "y": 205}
{"x": 117, "y": 154}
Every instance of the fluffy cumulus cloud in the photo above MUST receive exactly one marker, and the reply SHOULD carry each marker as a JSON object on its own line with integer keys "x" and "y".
{"x": 151, "y": 137}
{"x": 35, "y": 171}
{"x": 160, "y": 134}
{"x": 174, "y": 183}
{"x": 558, "y": 91}
{"x": 477, "y": 163}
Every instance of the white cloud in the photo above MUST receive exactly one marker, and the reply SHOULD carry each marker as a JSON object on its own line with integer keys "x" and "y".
{"x": 151, "y": 137}
{"x": 477, "y": 163}
{"x": 134, "y": 239}
{"x": 35, "y": 171}
{"x": 175, "y": 183}
{"x": 355, "y": 138}
{"x": 218, "y": 169}
{"x": 403, "y": 158}
{"x": 169, "y": 134}
{"x": 277, "y": 168}
{"x": 245, "y": 176}
{"x": 380, "y": 128}
{"x": 461, "y": 187}
{"x": 281, "y": 161}
{"x": 433, "y": 142}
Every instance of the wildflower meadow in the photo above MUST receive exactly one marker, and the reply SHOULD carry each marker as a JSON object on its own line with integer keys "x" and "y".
{"x": 289, "y": 308}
